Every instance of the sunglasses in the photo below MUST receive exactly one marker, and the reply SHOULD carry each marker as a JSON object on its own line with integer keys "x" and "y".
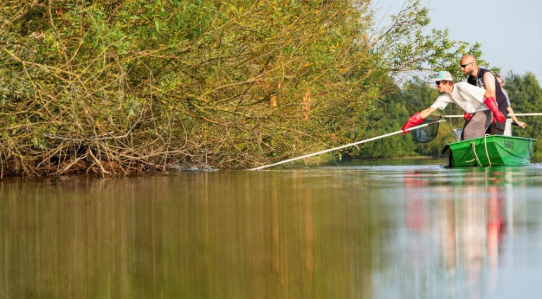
{"x": 465, "y": 65}
{"x": 437, "y": 82}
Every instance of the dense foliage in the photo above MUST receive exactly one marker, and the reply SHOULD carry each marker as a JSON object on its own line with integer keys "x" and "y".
{"x": 122, "y": 86}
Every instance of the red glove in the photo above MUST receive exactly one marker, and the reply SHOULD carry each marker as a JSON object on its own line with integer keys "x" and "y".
{"x": 467, "y": 116}
{"x": 415, "y": 119}
{"x": 492, "y": 105}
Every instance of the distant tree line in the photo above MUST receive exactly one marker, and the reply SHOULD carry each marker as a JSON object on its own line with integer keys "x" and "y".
{"x": 116, "y": 87}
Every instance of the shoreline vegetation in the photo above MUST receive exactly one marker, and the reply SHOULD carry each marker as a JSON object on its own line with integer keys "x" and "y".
{"x": 122, "y": 87}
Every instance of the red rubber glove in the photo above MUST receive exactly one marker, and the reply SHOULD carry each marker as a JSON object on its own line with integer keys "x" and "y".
{"x": 492, "y": 105}
{"x": 467, "y": 116}
{"x": 415, "y": 119}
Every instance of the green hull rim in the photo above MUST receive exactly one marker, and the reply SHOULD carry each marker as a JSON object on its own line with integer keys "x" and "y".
{"x": 492, "y": 150}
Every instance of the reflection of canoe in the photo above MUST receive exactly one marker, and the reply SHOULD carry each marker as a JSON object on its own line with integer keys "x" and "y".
{"x": 490, "y": 150}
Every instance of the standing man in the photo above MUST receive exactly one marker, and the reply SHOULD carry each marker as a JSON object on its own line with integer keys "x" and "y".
{"x": 469, "y": 98}
{"x": 485, "y": 79}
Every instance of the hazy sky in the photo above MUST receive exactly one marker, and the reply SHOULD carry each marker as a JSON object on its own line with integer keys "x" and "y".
{"x": 510, "y": 32}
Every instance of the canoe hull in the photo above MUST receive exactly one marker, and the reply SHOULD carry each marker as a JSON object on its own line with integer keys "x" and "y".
{"x": 493, "y": 150}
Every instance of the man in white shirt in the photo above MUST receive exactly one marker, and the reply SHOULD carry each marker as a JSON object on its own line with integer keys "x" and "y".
{"x": 469, "y": 97}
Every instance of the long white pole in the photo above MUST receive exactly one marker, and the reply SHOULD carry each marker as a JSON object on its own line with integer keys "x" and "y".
{"x": 515, "y": 114}
{"x": 344, "y": 146}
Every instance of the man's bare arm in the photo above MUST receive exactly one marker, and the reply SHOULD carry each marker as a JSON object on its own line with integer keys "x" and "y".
{"x": 489, "y": 82}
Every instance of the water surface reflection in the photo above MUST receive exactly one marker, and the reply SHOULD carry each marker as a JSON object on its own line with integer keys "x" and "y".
{"x": 328, "y": 232}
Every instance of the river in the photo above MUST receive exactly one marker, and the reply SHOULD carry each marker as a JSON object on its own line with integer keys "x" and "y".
{"x": 349, "y": 230}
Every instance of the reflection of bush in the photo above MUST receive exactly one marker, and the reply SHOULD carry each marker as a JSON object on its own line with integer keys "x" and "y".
{"x": 195, "y": 235}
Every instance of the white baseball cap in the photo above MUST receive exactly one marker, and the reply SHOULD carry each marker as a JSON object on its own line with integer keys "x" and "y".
{"x": 443, "y": 75}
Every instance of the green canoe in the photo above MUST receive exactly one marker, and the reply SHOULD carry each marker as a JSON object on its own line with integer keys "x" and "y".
{"x": 491, "y": 150}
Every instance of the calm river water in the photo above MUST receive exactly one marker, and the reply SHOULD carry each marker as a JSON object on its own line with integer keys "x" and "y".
{"x": 338, "y": 231}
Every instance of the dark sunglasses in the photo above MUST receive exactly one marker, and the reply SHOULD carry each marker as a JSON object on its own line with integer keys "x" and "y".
{"x": 437, "y": 82}
{"x": 465, "y": 65}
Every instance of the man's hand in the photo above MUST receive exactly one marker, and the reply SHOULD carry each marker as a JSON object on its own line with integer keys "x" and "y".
{"x": 414, "y": 120}
{"x": 492, "y": 105}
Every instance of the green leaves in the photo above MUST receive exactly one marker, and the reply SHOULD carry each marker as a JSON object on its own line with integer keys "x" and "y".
{"x": 405, "y": 47}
